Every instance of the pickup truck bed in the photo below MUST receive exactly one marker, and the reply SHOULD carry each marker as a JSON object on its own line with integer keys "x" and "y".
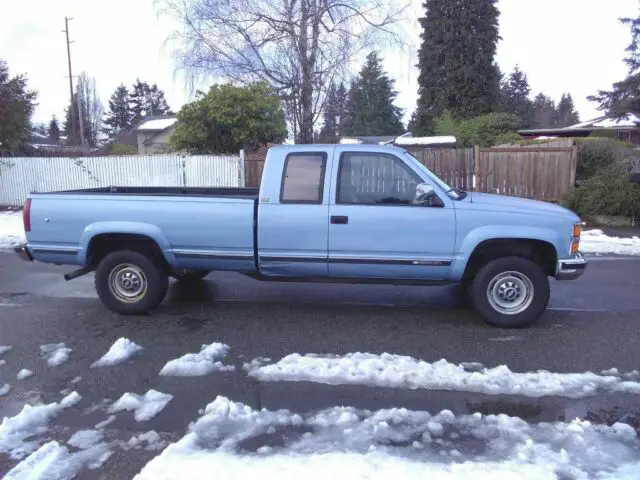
{"x": 330, "y": 213}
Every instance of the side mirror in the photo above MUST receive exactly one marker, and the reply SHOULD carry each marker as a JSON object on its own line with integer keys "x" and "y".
{"x": 424, "y": 192}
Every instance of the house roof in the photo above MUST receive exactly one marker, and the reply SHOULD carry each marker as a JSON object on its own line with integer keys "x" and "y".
{"x": 630, "y": 121}
{"x": 156, "y": 124}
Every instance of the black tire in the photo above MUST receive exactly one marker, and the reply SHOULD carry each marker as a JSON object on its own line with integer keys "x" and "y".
{"x": 526, "y": 274}
{"x": 133, "y": 265}
{"x": 190, "y": 275}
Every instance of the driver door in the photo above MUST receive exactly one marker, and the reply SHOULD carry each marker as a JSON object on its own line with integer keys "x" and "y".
{"x": 375, "y": 228}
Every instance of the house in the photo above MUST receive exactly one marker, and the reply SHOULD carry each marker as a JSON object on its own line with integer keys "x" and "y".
{"x": 405, "y": 140}
{"x": 153, "y": 134}
{"x": 626, "y": 128}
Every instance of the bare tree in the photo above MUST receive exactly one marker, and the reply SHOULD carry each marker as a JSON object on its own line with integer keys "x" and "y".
{"x": 91, "y": 107}
{"x": 298, "y": 46}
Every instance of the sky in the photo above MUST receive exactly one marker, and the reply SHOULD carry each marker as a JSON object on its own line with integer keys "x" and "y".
{"x": 574, "y": 46}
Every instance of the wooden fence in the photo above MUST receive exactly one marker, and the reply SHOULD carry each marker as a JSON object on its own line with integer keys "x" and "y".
{"x": 542, "y": 173}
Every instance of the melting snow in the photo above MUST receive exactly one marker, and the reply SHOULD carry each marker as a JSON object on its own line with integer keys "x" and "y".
{"x": 55, "y": 353}
{"x": 84, "y": 439}
{"x": 202, "y": 363}
{"x": 596, "y": 241}
{"x": 53, "y": 461}
{"x": 31, "y": 421}
{"x": 399, "y": 371}
{"x": 5, "y": 389}
{"x": 120, "y": 351}
{"x": 11, "y": 229}
{"x": 104, "y": 423}
{"x": 24, "y": 373}
{"x": 4, "y": 349}
{"x": 145, "y": 406}
{"x": 346, "y": 443}
{"x": 151, "y": 438}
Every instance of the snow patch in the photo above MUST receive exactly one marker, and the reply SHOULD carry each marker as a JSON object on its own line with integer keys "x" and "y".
{"x": 203, "y": 363}
{"x": 55, "y": 353}
{"x": 151, "y": 438}
{"x": 70, "y": 400}
{"x": 397, "y": 371}
{"x": 84, "y": 439}
{"x": 120, "y": 351}
{"x": 596, "y": 241}
{"x": 53, "y": 461}
{"x": 145, "y": 406}
{"x": 4, "y": 349}
{"x": 158, "y": 124}
{"x": 11, "y": 229}
{"x": 346, "y": 443}
{"x": 104, "y": 423}
{"x": 5, "y": 389}
{"x": 24, "y": 373}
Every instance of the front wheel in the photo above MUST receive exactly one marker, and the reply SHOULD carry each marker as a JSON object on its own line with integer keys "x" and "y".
{"x": 131, "y": 283}
{"x": 510, "y": 292}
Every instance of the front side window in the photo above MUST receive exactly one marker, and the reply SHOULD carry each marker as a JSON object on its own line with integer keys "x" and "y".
{"x": 375, "y": 179}
{"x": 303, "y": 178}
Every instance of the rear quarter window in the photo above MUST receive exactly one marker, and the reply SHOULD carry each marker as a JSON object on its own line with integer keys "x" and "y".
{"x": 303, "y": 178}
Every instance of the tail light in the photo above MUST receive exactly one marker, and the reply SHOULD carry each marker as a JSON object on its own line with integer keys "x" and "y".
{"x": 26, "y": 215}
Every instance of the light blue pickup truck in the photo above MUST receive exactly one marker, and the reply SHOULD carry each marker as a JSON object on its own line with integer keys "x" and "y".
{"x": 324, "y": 213}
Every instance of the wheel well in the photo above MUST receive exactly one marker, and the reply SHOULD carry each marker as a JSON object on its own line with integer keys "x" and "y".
{"x": 540, "y": 252}
{"x": 103, "y": 244}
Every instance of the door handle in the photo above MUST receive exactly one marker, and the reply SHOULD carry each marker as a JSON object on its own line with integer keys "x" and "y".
{"x": 339, "y": 219}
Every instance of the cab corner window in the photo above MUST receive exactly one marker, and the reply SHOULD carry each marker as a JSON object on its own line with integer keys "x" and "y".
{"x": 303, "y": 178}
{"x": 368, "y": 178}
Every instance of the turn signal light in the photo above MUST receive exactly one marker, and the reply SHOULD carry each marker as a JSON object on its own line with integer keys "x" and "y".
{"x": 576, "y": 230}
{"x": 575, "y": 246}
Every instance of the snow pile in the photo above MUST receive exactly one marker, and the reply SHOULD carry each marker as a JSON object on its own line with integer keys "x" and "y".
{"x": 145, "y": 406}
{"x": 346, "y": 443}
{"x": 84, "y": 439}
{"x": 55, "y": 353}
{"x": 24, "y": 373}
{"x": 120, "y": 351}
{"x": 11, "y": 229}
{"x": 596, "y": 241}
{"x": 53, "y": 461}
{"x": 397, "y": 371}
{"x": 31, "y": 421}
{"x": 196, "y": 364}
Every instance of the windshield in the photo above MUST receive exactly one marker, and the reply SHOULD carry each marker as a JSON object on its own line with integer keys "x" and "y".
{"x": 451, "y": 192}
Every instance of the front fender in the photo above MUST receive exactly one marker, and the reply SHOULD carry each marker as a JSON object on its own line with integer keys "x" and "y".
{"x": 135, "y": 228}
{"x": 478, "y": 235}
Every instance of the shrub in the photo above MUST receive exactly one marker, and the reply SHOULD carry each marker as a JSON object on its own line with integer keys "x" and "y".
{"x": 608, "y": 192}
{"x": 123, "y": 149}
{"x": 595, "y": 153}
{"x": 484, "y": 130}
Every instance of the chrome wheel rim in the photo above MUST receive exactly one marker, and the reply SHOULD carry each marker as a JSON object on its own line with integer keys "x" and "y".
{"x": 127, "y": 283}
{"x": 510, "y": 292}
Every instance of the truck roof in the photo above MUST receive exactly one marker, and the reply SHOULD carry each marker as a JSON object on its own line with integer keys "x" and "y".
{"x": 341, "y": 147}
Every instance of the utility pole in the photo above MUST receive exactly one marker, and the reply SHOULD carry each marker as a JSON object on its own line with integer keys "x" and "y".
{"x": 71, "y": 103}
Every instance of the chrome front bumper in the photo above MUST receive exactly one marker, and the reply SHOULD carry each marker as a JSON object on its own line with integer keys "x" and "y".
{"x": 23, "y": 252}
{"x": 571, "y": 268}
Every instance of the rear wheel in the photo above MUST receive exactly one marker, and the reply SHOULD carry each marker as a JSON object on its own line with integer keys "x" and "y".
{"x": 130, "y": 283}
{"x": 510, "y": 292}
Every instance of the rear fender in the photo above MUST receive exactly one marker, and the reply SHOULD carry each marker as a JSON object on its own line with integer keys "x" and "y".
{"x": 134, "y": 228}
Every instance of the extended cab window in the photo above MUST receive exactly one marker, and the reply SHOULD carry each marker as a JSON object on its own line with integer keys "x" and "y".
{"x": 303, "y": 178}
{"x": 375, "y": 179}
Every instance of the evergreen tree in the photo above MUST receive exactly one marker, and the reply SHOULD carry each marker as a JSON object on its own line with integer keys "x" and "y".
{"x": 147, "y": 100}
{"x": 514, "y": 97}
{"x": 71, "y": 129}
{"x": 371, "y": 109}
{"x": 544, "y": 111}
{"x": 329, "y": 130}
{"x": 566, "y": 113}
{"x": 624, "y": 97}
{"x": 54, "y": 129}
{"x": 456, "y": 64}
{"x": 17, "y": 104}
{"x": 119, "y": 116}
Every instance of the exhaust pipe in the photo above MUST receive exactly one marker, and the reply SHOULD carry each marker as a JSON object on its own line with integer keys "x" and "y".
{"x": 78, "y": 273}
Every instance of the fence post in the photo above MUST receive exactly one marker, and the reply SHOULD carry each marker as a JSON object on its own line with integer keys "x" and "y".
{"x": 241, "y": 165}
{"x": 184, "y": 170}
{"x": 574, "y": 167}
{"x": 476, "y": 168}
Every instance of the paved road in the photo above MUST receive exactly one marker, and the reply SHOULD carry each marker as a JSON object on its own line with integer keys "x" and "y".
{"x": 592, "y": 325}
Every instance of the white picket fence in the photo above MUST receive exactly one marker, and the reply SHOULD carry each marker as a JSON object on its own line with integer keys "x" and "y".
{"x": 20, "y": 176}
